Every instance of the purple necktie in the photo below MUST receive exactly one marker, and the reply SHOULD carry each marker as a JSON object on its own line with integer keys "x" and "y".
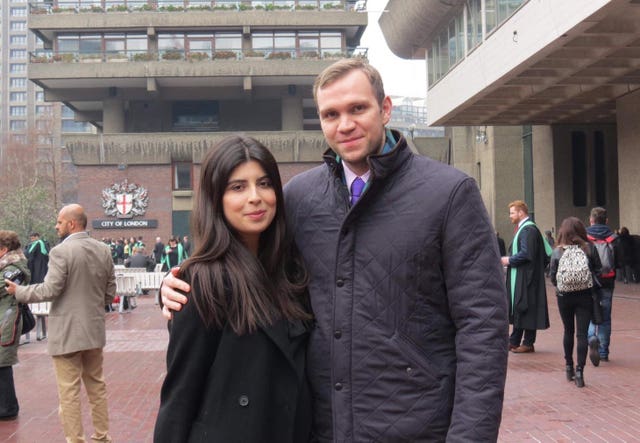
{"x": 356, "y": 190}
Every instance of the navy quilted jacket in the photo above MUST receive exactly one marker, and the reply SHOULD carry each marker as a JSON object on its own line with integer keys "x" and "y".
{"x": 409, "y": 296}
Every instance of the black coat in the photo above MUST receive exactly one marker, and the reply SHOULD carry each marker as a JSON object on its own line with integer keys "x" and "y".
{"x": 529, "y": 308}
{"x": 221, "y": 387}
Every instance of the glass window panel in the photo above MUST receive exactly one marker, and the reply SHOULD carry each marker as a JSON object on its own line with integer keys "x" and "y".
{"x": 262, "y": 41}
{"x": 17, "y": 125}
{"x": 136, "y": 42}
{"x": 200, "y": 45}
{"x": 18, "y": 25}
{"x": 40, "y": 96}
{"x": 67, "y": 112}
{"x": 331, "y": 41}
{"x": 18, "y": 82}
{"x": 170, "y": 41}
{"x": 74, "y": 126}
{"x": 18, "y": 40}
{"x": 228, "y": 41}
{"x": 68, "y": 43}
{"x": 18, "y": 53}
{"x": 114, "y": 45}
{"x": 16, "y": 111}
{"x": 17, "y": 67}
{"x": 491, "y": 15}
{"x": 90, "y": 44}
{"x": 284, "y": 42}
{"x": 443, "y": 51}
{"x": 43, "y": 110}
{"x": 18, "y": 12}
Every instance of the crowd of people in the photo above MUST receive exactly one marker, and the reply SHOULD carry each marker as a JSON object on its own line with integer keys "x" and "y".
{"x": 133, "y": 252}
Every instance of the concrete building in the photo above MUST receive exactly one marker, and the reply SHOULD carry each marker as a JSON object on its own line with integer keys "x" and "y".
{"x": 541, "y": 98}
{"x": 163, "y": 80}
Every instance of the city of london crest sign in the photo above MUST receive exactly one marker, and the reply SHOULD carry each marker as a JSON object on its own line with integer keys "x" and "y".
{"x": 125, "y": 200}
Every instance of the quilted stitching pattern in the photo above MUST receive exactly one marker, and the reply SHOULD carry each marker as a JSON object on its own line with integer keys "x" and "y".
{"x": 397, "y": 305}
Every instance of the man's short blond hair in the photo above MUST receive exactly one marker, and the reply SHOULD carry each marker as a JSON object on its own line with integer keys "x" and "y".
{"x": 343, "y": 67}
{"x": 519, "y": 205}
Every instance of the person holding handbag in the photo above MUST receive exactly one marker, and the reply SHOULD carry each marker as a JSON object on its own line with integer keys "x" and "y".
{"x": 574, "y": 265}
{"x": 13, "y": 265}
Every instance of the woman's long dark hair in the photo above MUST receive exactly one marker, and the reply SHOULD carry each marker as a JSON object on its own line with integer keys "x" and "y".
{"x": 233, "y": 285}
{"x": 572, "y": 232}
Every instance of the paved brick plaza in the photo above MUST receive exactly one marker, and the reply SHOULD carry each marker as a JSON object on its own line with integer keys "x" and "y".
{"x": 540, "y": 405}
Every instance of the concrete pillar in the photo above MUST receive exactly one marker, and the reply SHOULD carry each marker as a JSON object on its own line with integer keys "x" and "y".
{"x": 292, "y": 119}
{"x": 113, "y": 115}
{"x": 544, "y": 184}
{"x": 628, "y": 135}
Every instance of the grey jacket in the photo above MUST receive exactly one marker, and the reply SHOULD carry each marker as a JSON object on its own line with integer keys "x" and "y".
{"x": 409, "y": 297}
{"x": 80, "y": 281}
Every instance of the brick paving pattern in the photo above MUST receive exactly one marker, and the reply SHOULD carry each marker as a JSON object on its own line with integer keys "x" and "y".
{"x": 540, "y": 405}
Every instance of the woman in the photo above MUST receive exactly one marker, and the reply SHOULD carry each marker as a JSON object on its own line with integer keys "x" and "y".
{"x": 235, "y": 361}
{"x": 13, "y": 266}
{"x": 576, "y": 306}
{"x": 626, "y": 256}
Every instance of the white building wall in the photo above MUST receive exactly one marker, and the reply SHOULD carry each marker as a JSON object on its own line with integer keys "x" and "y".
{"x": 537, "y": 24}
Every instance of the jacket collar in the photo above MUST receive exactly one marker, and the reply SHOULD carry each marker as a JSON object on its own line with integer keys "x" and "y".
{"x": 381, "y": 164}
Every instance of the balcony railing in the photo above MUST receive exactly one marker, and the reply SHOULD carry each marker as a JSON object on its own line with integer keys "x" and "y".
{"x": 49, "y": 56}
{"x": 106, "y": 6}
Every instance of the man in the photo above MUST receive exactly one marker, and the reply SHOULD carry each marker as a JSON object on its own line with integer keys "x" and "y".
{"x": 410, "y": 342}
{"x": 139, "y": 260}
{"x": 186, "y": 245}
{"x": 606, "y": 243}
{"x": 526, "y": 289}
{"x": 174, "y": 254}
{"x": 79, "y": 283}
{"x": 37, "y": 252}
{"x": 158, "y": 250}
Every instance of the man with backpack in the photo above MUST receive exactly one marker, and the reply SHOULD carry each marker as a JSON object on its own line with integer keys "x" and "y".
{"x": 605, "y": 241}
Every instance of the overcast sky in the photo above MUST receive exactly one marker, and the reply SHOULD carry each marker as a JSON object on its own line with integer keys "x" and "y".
{"x": 401, "y": 77}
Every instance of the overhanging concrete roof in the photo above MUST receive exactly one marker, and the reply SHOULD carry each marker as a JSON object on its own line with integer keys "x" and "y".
{"x": 574, "y": 77}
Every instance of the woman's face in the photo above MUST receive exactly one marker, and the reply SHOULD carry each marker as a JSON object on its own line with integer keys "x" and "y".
{"x": 249, "y": 202}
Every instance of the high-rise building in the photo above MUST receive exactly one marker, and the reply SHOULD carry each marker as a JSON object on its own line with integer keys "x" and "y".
{"x": 162, "y": 80}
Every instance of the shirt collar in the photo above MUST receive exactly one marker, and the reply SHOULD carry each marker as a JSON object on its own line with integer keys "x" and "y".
{"x": 350, "y": 176}
{"x": 522, "y": 221}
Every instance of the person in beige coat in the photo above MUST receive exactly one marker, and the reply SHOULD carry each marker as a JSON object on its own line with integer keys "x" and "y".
{"x": 79, "y": 283}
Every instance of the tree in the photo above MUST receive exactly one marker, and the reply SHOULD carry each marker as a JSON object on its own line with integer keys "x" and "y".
{"x": 29, "y": 201}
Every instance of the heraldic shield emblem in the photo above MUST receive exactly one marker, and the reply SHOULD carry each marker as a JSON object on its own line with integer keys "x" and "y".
{"x": 125, "y": 200}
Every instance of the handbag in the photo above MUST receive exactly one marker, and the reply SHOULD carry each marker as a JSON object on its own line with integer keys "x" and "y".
{"x": 597, "y": 316}
{"x": 28, "y": 319}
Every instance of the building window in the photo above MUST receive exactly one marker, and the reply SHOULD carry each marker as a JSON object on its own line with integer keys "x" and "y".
{"x": 17, "y": 67}
{"x": 18, "y": 25}
{"x": 18, "y": 82}
{"x": 43, "y": 110}
{"x": 18, "y": 40}
{"x": 18, "y": 53}
{"x": 39, "y": 96}
{"x": 17, "y": 125}
{"x": 599, "y": 168}
{"x": 18, "y": 96}
{"x": 19, "y": 12}
{"x": 20, "y": 139}
{"x": 455, "y": 40}
{"x": 17, "y": 111}
{"x": 195, "y": 116}
{"x": 70, "y": 125}
{"x": 182, "y": 176}
{"x": 579, "y": 168}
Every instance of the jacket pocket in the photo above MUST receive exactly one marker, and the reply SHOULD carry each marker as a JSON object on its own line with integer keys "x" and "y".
{"x": 417, "y": 367}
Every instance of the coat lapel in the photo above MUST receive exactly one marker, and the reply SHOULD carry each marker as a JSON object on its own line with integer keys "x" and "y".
{"x": 282, "y": 333}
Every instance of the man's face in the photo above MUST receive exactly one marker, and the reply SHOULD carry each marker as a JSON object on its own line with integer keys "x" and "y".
{"x": 63, "y": 226}
{"x": 515, "y": 215}
{"x": 352, "y": 120}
